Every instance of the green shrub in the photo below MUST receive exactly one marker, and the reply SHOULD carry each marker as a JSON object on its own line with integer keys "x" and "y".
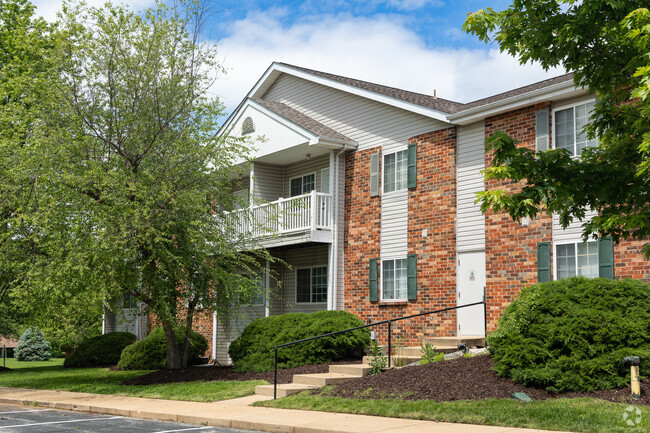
{"x": 100, "y": 350}
{"x": 252, "y": 351}
{"x": 151, "y": 353}
{"x": 32, "y": 346}
{"x": 571, "y": 334}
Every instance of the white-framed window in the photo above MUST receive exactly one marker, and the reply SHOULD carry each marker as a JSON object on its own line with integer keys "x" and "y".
{"x": 302, "y": 184}
{"x": 394, "y": 279}
{"x": 576, "y": 258}
{"x": 568, "y": 126}
{"x": 129, "y": 302}
{"x": 395, "y": 171}
{"x": 311, "y": 285}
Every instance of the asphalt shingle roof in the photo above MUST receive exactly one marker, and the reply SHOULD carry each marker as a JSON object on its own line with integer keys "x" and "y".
{"x": 302, "y": 120}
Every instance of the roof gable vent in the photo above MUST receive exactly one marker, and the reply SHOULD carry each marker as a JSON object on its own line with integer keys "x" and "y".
{"x": 247, "y": 126}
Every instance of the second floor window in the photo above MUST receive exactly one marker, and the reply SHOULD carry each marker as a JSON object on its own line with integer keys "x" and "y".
{"x": 569, "y": 128}
{"x": 395, "y": 170}
{"x": 303, "y": 184}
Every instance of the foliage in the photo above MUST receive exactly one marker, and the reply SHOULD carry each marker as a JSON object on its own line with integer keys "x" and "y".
{"x": 605, "y": 43}
{"x": 378, "y": 361}
{"x": 151, "y": 353}
{"x": 428, "y": 353}
{"x": 571, "y": 334}
{"x": 100, "y": 350}
{"x": 253, "y": 350}
{"x": 32, "y": 346}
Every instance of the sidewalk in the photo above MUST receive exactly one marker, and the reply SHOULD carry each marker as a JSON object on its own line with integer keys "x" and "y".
{"x": 237, "y": 414}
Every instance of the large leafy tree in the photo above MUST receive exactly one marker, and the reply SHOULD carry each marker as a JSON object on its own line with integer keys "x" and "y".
{"x": 605, "y": 43}
{"x": 137, "y": 178}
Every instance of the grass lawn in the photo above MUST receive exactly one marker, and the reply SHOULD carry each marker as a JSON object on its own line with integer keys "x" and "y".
{"x": 52, "y": 375}
{"x": 576, "y": 415}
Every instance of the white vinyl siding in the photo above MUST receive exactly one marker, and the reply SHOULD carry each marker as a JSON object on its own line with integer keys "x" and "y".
{"x": 470, "y": 228}
{"x": 394, "y": 224}
{"x": 339, "y": 241}
{"x": 268, "y": 181}
{"x": 369, "y": 123}
{"x": 573, "y": 233}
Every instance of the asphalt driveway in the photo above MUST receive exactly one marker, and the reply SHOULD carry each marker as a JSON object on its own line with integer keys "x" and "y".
{"x": 21, "y": 419}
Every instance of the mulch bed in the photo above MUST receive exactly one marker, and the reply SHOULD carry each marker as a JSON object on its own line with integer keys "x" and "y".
{"x": 5, "y": 369}
{"x": 208, "y": 374}
{"x": 460, "y": 379}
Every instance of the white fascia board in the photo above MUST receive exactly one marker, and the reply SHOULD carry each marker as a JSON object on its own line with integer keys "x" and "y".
{"x": 551, "y": 92}
{"x": 408, "y": 106}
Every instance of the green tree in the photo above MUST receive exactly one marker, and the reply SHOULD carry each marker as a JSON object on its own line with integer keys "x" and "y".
{"x": 605, "y": 43}
{"x": 135, "y": 180}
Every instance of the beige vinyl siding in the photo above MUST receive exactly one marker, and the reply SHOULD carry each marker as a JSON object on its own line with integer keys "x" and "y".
{"x": 394, "y": 224}
{"x": 470, "y": 229}
{"x": 268, "y": 182}
{"x": 128, "y": 320}
{"x": 314, "y": 165}
{"x": 109, "y": 321}
{"x": 369, "y": 123}
{"x": 573, "y": 233}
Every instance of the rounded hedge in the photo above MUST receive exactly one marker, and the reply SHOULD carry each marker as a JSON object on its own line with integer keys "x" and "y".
{"x": 32, "y": 346}
{"x": 571, "y": 334}
{"x": 100, "y": 350}
{"x": 253, "y": 350}
{"x": 151, "y": 353}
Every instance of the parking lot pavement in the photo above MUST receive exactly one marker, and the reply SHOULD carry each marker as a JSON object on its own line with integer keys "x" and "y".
{"x": 21, "y": 419}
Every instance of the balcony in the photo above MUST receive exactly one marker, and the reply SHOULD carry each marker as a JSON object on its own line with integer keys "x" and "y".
{"x": 287, "y": 221}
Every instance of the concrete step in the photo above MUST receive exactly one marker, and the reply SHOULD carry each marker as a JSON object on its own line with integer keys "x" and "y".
{"x": 284, "y": 389}
{"x": 470, "y": 341}
{"x": 356, "y": 370}
{"x": 322, "y": 379}
{"x": 404, "y": 359}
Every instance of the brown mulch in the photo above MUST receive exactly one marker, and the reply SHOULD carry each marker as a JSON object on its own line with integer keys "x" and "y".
{"x": 208, "y": 374}
{"x": 460, "y": 379}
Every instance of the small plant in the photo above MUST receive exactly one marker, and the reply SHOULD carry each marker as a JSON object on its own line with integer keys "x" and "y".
{"x": 468, "y": 355}
{"x": 428, "y": 353}
{"x": 378, "y": 361}
{"x": 33, "y": 347}
{"x": 439, "y": 357}
{"x": 398, "y": 360}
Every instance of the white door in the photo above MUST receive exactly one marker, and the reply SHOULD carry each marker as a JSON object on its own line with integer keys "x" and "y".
{"x": 470, "y": 284}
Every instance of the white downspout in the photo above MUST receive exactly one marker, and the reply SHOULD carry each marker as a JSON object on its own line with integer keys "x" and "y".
{"x": 335, "y": 228}
{"x": 214, "y": 336}
{"x": 267, "y": 285}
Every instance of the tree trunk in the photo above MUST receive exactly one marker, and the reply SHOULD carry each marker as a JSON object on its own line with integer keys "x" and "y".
{"x": 173, "y": 355}
{"x": 188, "y": 333}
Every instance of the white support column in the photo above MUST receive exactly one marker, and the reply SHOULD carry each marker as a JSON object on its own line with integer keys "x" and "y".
{"x": 214, "y": 336}
{"x": 251, "y": 185}
{"x": 267, "y": 290}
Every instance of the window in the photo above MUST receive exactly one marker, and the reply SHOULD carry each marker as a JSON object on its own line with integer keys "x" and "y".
{"x": 394, "y": 279}
{"x": 569, "y": 128}
{"x": 577, "y": 259}
{"x": 303, "y": 184}
{"x": 395, "y": 171}
{"x": 129, "y": 302}
{"x": 311, "y": 285}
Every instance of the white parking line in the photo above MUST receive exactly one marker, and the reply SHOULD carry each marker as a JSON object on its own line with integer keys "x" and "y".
{"x": 58, "y": 422}
{"x": 27, "y": 410}
{"x": 185, "y": 429}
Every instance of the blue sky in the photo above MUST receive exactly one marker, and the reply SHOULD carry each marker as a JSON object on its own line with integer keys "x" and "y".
{"x": 416, "y": 45}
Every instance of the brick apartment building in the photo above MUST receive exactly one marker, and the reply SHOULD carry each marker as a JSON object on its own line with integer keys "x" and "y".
{"x": 376, "y": 189}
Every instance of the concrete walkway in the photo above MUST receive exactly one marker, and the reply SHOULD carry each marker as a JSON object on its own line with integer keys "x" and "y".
{"x": 238, "y": 414}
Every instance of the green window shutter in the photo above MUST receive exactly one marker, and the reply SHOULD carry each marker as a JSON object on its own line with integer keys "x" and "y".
{"x": 606, "y": 258}
{"x": 374, "y": 288}
{"x": 543, "y": 262}
{"x": 541, "y": 130}
{"x": 412, "y": 174}
{"x": 411, "y": 277}
{"x": 374, "y": 175}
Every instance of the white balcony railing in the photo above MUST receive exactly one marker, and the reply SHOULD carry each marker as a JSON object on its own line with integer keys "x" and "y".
{"x": 307, "y": 212}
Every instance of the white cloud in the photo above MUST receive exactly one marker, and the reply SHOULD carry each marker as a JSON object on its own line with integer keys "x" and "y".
{"x": 379, "y": 49}
{"x": 49, "y": 8}
{"x": 409, "y": 5}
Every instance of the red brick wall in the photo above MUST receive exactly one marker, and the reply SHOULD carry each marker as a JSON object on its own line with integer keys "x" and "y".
{"x": 510, "y": 249}
{"x": 431, "y": 206}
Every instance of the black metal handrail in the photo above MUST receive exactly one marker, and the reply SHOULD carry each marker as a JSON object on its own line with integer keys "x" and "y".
{"x": 389, "y": 321}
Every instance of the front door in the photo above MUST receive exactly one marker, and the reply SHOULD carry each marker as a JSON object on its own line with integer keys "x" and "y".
{"x": 470, "y": 285}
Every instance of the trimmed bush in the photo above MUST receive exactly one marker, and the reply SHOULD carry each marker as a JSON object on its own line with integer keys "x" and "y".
{"x": 100, "y": 350}
{"x": 151, "y": 353}
{"x": 252, "y": 351}
{"x": 571, "y": 334}
{"x": 33, "y": 347}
